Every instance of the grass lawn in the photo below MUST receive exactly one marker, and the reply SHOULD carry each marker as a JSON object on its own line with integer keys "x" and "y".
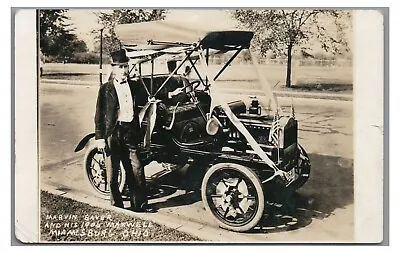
{"x": 66, "y": 220}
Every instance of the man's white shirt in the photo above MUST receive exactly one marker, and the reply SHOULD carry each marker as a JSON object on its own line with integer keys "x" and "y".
{"x": 125, "y": 101}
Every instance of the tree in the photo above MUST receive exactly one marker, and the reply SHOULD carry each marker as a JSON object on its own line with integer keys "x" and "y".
{"x": 122, "y": 16}
{"x": 67, "y": 45}
{"x": 51, "y": 27}
{"x": 56, "y": 37}
{"x": 283, "y": 31}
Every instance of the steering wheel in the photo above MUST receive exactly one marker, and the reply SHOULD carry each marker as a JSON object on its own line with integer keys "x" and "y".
{"x": 195, "y": 84}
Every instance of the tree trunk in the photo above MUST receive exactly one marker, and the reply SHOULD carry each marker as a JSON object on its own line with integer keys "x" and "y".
{"x": 289, "y": 66}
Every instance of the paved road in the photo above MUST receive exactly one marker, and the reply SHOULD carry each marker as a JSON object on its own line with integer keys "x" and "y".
{"x": 326, "y": 131}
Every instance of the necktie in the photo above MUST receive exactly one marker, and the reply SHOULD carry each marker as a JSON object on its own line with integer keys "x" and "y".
{"x": 121, "y": 82}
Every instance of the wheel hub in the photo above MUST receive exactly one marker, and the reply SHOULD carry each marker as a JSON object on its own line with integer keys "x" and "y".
{"x": 233, "y": 196}
{"x": 232, "y": 199}
{"x": 236, "y": 197}
{"x": 103, "y": 173}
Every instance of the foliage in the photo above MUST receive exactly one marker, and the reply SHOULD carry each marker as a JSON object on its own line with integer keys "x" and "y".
{"x": 281, "y": 32}
{"x": 275, "y": 30}
{"x": 67, "y": 45}
{"x": 51, "y": 26}
{"x": 85, "y": 57}
{"x": 56, "y": 37}
{"x": 121, "y": 16}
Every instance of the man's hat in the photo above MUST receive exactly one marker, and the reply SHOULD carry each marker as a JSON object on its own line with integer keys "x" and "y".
{"x": 119, "y": 57}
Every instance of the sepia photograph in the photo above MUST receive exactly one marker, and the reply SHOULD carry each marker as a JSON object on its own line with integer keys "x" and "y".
{"x": 196, "y": 126}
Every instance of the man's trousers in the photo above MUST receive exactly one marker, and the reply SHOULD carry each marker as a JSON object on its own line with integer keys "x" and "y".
{"x": 122, "y": 149}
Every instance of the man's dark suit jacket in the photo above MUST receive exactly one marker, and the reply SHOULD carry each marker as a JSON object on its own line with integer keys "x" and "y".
{"x": 107, "y": 109}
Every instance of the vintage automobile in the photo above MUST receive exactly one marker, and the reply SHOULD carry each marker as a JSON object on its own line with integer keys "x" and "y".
{"x": 240, "y": 156}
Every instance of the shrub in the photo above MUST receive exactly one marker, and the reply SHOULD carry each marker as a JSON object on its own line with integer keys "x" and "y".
{"x": 51, "y": 58}
{"x": 88, "y": 58}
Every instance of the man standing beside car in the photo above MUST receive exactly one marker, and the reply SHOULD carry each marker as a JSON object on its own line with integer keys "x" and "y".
{"x": 117, "y": 133}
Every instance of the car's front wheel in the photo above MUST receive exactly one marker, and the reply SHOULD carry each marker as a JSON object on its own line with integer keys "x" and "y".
{"x": 233, "y": 194}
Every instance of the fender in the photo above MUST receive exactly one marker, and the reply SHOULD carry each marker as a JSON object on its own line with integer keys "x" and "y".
{"x": 83, "y": 142}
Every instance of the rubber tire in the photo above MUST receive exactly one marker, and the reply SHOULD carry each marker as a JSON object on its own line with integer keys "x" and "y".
{"x": 86, "y": 162}
{"x": 254, "y": 179}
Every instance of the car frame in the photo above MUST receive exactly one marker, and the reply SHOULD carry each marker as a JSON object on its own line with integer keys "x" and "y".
{"x": 239, "y": 156}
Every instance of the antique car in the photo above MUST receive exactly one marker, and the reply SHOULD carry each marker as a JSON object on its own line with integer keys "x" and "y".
{"x": 239, "y": 156}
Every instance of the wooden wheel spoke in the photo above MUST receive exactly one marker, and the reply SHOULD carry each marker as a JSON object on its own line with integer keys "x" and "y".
{"x": 249, "y": 197}
{"x": 241, "y": 210}
{"x": 97, "y": 184}
{"x": 226, "y": 211}
{"x": 223, "y": 181}
{"x": 239, "y": 181}
{"x": 96, "y": 161}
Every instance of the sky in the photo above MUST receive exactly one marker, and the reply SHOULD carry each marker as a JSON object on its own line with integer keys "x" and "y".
{"x": 85, "y": 21}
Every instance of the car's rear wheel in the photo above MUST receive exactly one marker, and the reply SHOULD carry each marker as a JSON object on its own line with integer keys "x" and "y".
{"x": 95, "y": 173}
{"x": 233, "y": 194}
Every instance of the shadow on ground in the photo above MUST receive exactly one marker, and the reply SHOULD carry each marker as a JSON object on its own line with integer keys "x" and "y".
{"x": 180, "y": 200}
{"x": 330, "y": 187}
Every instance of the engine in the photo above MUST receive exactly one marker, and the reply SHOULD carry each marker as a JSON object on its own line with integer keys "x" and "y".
{"x": 259, "y": 126}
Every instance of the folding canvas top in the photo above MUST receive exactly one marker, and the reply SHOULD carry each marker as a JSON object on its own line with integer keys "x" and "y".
{"x": 211, "y": 29}
{"x": 162, "y": 31}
